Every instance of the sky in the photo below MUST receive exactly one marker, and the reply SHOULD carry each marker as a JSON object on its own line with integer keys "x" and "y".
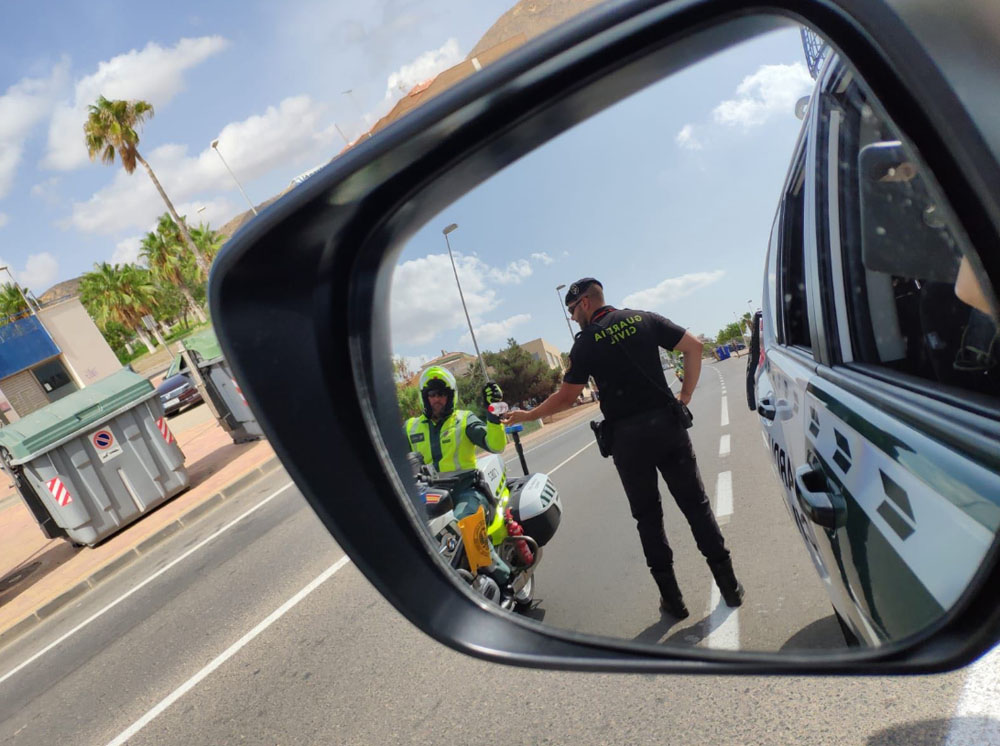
{"x": 268, "y": 80}
{"x": 667, "y": 197}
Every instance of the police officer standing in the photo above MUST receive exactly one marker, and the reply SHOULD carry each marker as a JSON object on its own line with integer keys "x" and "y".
{"x": 647, "y": 428}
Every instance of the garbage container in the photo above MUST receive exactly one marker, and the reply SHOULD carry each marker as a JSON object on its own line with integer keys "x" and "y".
{"x": 218, "y": 387}
{"x": 96, "y": 460}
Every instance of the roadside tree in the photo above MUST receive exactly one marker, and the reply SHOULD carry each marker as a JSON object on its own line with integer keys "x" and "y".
{"x": 110, "y": 129}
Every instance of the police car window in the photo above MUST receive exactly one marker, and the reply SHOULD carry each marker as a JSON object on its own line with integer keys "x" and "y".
{"x": 772, "y": 273}
{"x": 917, "y": 306}
{"x": 793, "y": 273}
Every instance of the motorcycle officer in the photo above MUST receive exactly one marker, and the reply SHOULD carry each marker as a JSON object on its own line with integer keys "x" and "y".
{"x": 446, "y": 438}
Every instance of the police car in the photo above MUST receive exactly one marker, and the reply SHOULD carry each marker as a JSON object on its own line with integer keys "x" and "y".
{"x": 874, "y": 369}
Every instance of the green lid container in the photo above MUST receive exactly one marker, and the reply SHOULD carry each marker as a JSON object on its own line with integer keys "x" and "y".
{"x": 206, "y": 344}
{"x": 59, "y": 421}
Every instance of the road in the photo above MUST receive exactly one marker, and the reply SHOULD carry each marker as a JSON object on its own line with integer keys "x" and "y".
{"x": 594, "y": 578}
{"x": 251, "y": 627}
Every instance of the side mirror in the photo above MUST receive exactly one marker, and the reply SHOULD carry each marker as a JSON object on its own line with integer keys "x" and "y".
{"x": 301, "y": 299}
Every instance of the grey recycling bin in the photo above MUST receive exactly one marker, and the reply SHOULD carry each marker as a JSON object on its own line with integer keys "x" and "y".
{"x": 96, "y": 460}
{"x": 218, "y": 387}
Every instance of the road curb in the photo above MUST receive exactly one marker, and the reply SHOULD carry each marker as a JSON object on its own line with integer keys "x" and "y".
{"x": 111, "y": 568}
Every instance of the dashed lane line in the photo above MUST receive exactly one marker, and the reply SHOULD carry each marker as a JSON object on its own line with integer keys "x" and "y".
{"x": 232, "y": 650}
{"x": 977, "y": 712}
{"x": 723, "y": 623}
{"x": 724, "y": 494}
{"x": 724, "y": 446}
{"x": 143, "y": 584}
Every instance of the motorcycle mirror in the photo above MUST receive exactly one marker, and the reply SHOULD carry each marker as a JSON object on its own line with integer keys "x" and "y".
{"x": 298, "y": 328}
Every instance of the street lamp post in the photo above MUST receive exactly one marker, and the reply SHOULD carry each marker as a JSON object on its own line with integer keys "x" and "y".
{"x": 565, "y": 315}
{"x": 215, "y": 147}
{"x": 446, "y": 231}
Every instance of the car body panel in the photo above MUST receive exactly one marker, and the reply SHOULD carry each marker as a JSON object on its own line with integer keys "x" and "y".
{"x": 896, "y": 519}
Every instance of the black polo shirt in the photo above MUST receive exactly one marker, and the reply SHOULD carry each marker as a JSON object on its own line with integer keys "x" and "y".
{"x": 620, "y": 349}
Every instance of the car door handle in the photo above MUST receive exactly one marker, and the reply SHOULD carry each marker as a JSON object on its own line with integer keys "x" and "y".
{"x": 766, "y": 409}
{"x": 821, "y": 506}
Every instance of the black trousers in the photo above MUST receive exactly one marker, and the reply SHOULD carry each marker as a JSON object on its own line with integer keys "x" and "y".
{"x": 655, "y": 441}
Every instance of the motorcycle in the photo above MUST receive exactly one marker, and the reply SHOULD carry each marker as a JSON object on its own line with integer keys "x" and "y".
{"x": 522, "y": 517}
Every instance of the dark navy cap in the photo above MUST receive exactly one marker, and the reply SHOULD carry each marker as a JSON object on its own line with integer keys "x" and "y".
{"x": 579, "y": 287}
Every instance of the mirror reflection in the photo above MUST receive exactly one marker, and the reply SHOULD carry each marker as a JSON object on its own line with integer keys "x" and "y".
{"x": 649, "y": 374}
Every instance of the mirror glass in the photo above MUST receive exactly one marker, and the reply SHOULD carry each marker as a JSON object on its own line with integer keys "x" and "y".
{"x": 695, "y": 204}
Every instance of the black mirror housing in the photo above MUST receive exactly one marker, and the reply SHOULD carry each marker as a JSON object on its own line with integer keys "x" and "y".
{"x": 300, "y": 298}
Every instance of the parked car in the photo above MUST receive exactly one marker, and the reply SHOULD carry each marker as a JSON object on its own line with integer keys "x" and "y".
{"x": 177, "y": 390}
{"x": 880, "y": 372}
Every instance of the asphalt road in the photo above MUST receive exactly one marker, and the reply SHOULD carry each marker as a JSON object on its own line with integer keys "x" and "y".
{"x": 593, "y": 577}
{"x": 250, "y": 627}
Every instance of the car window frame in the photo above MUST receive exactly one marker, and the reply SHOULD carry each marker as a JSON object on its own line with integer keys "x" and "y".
{"x": 949, "y": 398}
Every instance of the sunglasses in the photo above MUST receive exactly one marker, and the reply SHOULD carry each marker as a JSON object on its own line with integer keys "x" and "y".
{"x": 572, "y": 307}
{"x": 437, "y": 394}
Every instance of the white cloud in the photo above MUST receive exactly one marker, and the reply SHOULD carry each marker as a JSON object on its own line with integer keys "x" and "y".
{"x": 423, "y": 68}
{"x": 284, "y": 135}
{"x": 217, "y": 211}
{"x": 686, "y": 138}
{"x": 657, "y": 298}
{"x": 127, "y": 251}
{"x": 47, "y": 191}
{"x": 773, "y": 89}
{"x": 22, "y": 107}
{"x": 513, "y": 273}
{"x": 496, "y": 332}
{"x": 543, "y": 258}
{"x": 154, "y": 74}
{"x": 4, "y": 219}
{"x": 425, "y": 301}
{"x": 39, "y": 273}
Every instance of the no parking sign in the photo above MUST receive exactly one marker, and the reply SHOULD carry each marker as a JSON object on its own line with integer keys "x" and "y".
{"x": 105, "y": 445}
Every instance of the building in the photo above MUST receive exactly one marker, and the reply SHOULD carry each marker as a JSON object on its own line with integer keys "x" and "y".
{"x": 458, "y": 363}
{"x": 547, "y": 352}
{"x": 46, "y": 355}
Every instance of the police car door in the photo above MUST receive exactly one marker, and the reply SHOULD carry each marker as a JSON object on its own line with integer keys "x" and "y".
{"x": 901, "y": 518}
{"x": 789, "y": 363}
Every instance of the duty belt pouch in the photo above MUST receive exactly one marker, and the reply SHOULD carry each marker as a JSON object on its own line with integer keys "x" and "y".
{"x": 602, "y": 434}
{"x": 684, "y": 415}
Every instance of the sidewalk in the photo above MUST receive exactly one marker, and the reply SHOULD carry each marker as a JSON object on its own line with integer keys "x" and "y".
{"x": 39, "y": 576}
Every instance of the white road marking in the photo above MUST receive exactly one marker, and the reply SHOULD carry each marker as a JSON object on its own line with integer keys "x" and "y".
{"x": 724, "y": 494}
{"x": 724, "y": 445}
{"x": 723, "y": 624}
{"x": 977, "y": 713}
{"x": 767, "y": 446}
{"x": 232, "y": 650}
{"x": 563, "y": 463}
{"x": 725, "y": 412}
{"x": 143, "y": 584}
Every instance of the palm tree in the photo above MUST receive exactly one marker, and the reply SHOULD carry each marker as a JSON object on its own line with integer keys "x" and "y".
{"x": 110, "y": 129}
{"x": 208, "y": 241}
{"x": 12, "y": 302}
{"x": 161, "y": 250}
{"x": 113, "y": 293}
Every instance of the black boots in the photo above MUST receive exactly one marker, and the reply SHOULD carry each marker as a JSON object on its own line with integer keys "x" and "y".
{"x": 671, "y": 600}
{"x": 725, "y": 578}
